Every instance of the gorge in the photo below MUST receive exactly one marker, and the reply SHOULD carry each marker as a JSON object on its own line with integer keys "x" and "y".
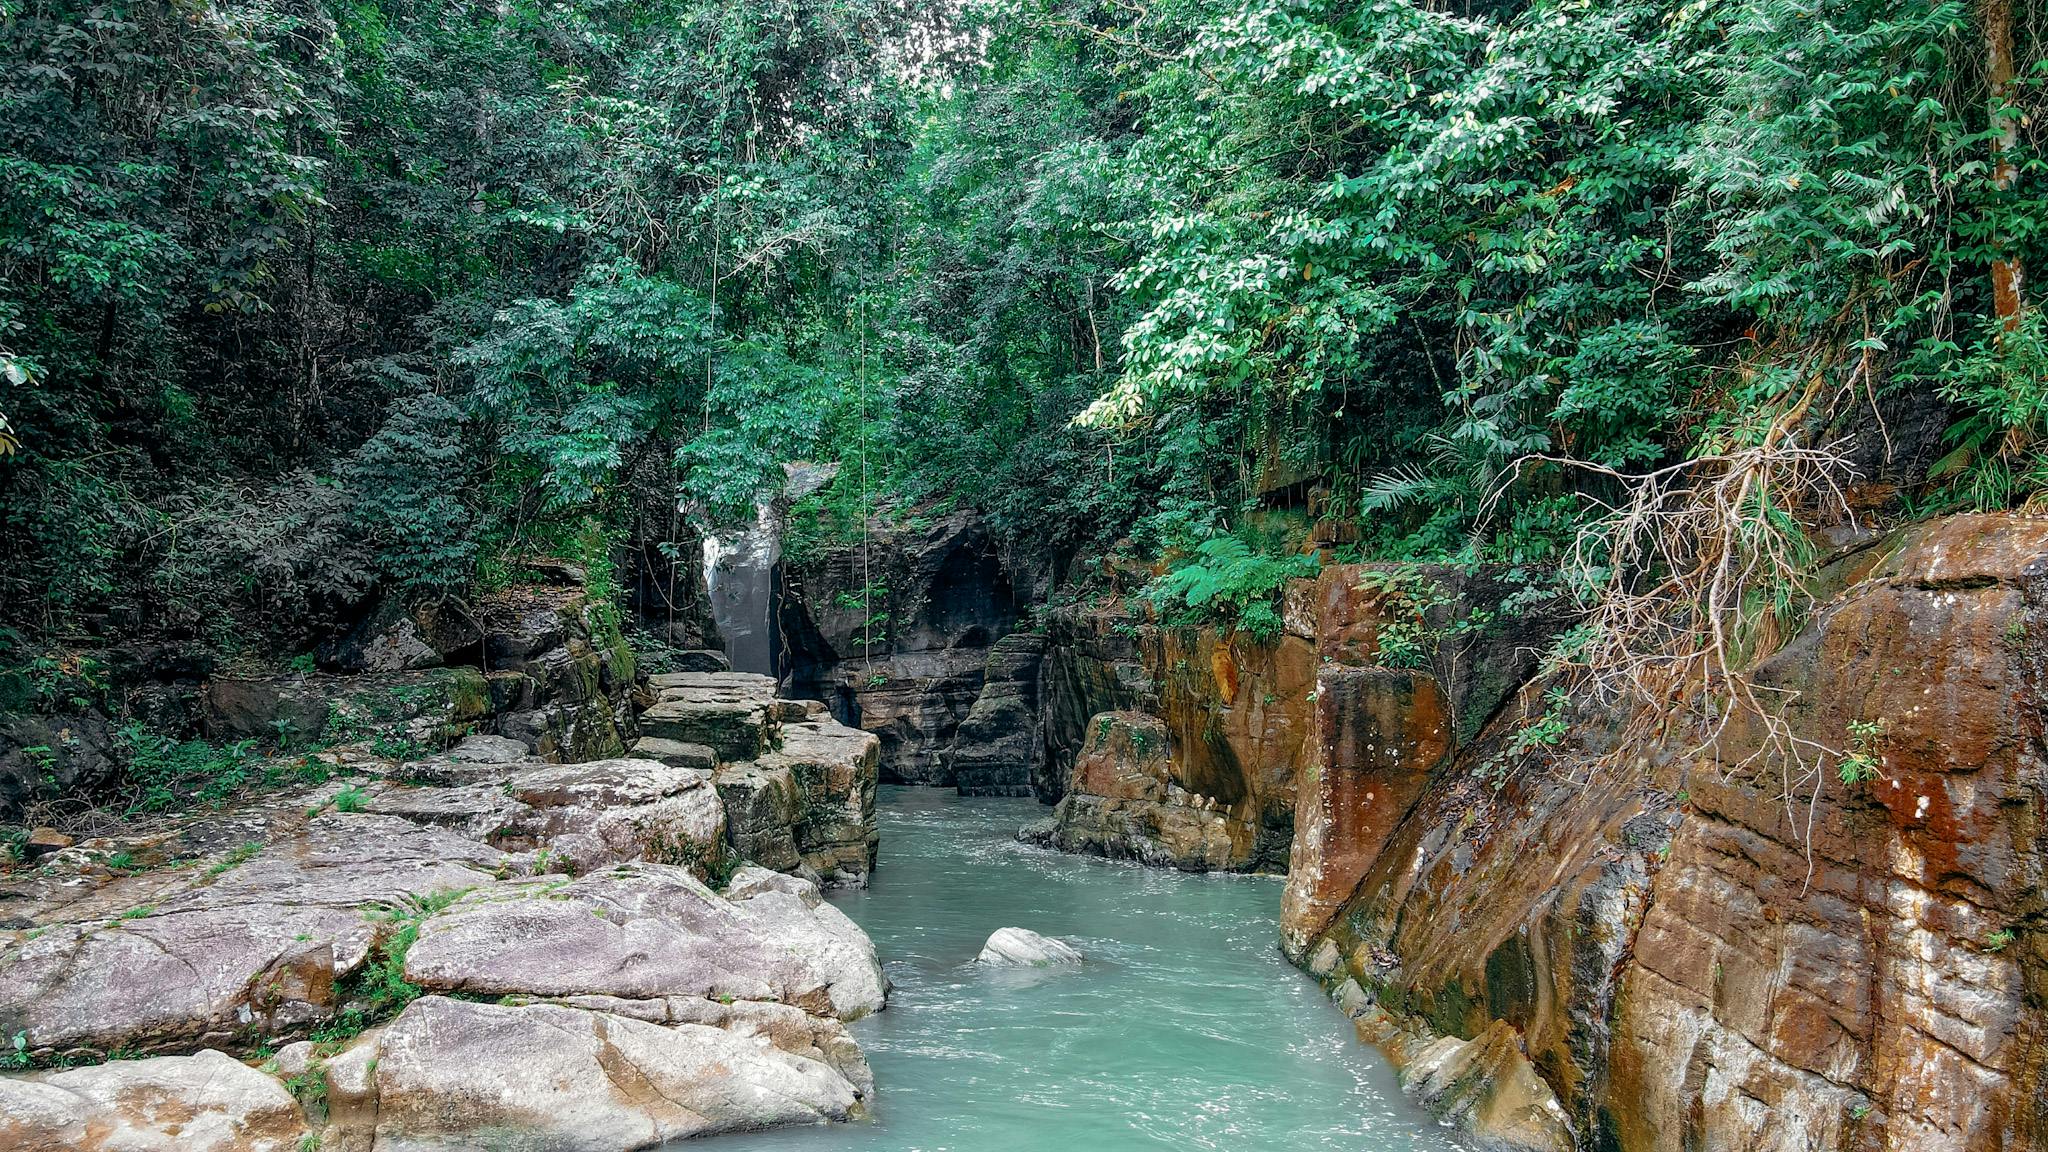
{"x": 1661, "y": 955}
{"x": 587, "y": 575}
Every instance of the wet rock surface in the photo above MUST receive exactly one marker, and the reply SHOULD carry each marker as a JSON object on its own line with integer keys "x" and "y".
{"x": 1023, "y": 948}
{"x": 1127, "y": 802}
{"x": 1670, "y": 954}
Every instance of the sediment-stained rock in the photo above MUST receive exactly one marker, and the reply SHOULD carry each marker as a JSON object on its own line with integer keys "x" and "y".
{"x": 798, "y": 789}
{"x": 1380, "y": 733}
{"x": 1687, "y": 959}
{"x": 833, "y": 770}
{"x": 1127, "y": 802}
{"x": 208, "y": 1102}
{"x": 728, "y": 712}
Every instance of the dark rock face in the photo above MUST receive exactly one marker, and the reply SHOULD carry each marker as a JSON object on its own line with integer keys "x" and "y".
{"x": 896, "y": 635}
{"x": 992, "y": 750}
{"x": 47, "y": 756}
{"x": 1092, "y": 665}
{"x": 556, "y": 675}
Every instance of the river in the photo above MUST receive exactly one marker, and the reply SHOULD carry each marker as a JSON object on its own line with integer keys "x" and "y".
{"x": 1185, "y": 1029}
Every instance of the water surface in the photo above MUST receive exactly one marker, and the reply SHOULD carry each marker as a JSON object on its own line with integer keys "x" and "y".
{"x": 1184, "y": 1030}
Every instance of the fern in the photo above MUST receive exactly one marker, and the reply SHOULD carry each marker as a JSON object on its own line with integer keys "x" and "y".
{"x": 1228, "y": 583}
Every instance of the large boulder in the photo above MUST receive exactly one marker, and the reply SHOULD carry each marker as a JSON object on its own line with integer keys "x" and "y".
{"x": 252, "y": 946}
{"x": 1128, "y": 801}
{"x": 449, "y": 1075}
{"x": 833, "y": 770}
{"x": 732, "y": 713}
{"x": 649, "y": 931}
{"x": 208, "y": 1102}
{"x": 605, "y": 811}
{"x": 1023, "y": 948}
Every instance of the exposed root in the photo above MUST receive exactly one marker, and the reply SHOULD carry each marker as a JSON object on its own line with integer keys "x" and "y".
{"x": 1690, "y": 576}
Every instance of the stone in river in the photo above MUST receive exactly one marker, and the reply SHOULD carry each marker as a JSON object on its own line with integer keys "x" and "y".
{"x": 1023, "y": 948}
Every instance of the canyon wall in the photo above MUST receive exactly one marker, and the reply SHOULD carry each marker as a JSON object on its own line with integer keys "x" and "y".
{"x": 896, "y": 634}
{"x": 1663, "y": 955}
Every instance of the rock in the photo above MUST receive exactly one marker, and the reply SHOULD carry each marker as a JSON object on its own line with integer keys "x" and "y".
{"x": 425, "y": 708}
{"x": 991, "y": 753}
{"x": 1666, "y": 947}
{"x": 1092, "y": 665}
{"x": 1380, "y": 733}
{"x": 294, "y": 1059}
{"x": 255, "y": 948}
{"x": 675, "y": 752}
{"x": 1127, "y": 802}
{"x": 648, "y": 931}
{"x": 606, "y": 811}
{"x": 833, "y": 770}
{"x": 702, "y": 660}
{"x": 450, "y": 1074}
{"x": 1040, "y": 833}
{"x": 477, "y": 811}
{"x": 47, "y": 757}
{"x": 43, "y": 841}
{"x": 791, "y": 1029}
{"x": 729, "y": 712}
{"x": 388, "y": 641}
{"x": 206, "y": 1102}
{"x": 486, "y": 749}
{"x": 1023, "y": 948}
{"x": 1487, "y": 1088}
{"x": 908, "y": 669}
{"x": 762, "y": 812}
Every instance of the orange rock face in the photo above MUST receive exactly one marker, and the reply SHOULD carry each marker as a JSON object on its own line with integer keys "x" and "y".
{"x": 1691, "y": 959}
{"x": 1865, "y": 968}
{"x": 1379, "y": 734}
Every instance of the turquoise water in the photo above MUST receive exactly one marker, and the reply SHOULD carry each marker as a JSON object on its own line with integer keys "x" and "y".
{"x": 1184, "y": 1030}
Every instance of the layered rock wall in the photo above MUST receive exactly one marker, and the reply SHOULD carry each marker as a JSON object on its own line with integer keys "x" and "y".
{"x": 1701, "y": 946}
{"x": 895, "y": 635}
{"x": 1670, "y": 954}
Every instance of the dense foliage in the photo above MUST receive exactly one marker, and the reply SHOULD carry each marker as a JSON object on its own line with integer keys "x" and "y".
{"x": 303, "y": 302}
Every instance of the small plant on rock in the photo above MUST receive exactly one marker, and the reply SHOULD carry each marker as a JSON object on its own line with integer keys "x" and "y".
{"x": 1865, "y": 758}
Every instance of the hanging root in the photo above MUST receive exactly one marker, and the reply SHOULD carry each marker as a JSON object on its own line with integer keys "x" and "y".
{"x": 1693, "y": 574}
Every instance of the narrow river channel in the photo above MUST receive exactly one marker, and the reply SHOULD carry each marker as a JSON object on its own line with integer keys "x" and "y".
{"x": 1184, "y": 1030}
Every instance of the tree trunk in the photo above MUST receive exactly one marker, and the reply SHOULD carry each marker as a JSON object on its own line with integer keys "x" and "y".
{"x": 2006, "y": 274}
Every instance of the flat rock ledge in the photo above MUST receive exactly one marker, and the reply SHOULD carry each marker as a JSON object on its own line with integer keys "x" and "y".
{"x": 580, "y": 983}
{"x": 1023, "y": 948}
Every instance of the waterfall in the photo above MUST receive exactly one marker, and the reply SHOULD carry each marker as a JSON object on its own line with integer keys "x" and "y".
{"x": 739, "y": 568}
